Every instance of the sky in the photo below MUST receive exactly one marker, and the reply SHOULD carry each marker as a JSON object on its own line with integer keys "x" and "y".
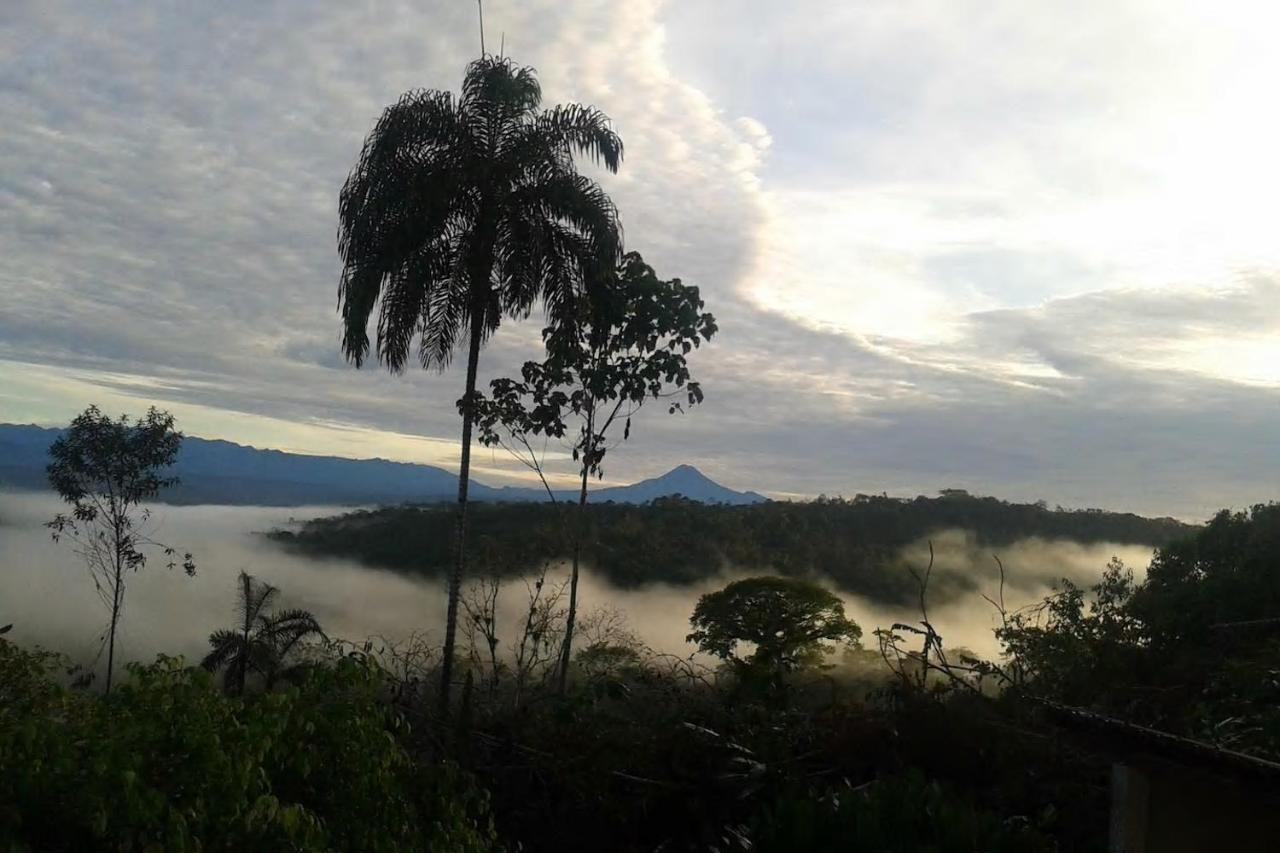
{"x": 1024, "y": 249}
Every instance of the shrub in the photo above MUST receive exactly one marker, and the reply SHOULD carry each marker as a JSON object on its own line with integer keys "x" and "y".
{"x": 167, "y": 762}
{"x": 903, "y": 814}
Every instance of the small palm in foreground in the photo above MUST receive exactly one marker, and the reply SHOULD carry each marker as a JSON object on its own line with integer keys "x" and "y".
{"x": 263, "y": 641}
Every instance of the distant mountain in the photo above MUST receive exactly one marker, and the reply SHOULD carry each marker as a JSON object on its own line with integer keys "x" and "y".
{"x": 222, "y": 472}
{"x": 682, "y": 480}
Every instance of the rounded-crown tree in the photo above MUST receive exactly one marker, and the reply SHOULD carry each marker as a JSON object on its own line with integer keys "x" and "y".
{"x": 788, "y": 623}
{"x": 462, "y": 210}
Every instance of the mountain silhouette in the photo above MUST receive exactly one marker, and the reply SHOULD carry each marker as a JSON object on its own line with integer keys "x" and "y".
{"x": 682, "y": 480}
{"x": 222, "y": 472}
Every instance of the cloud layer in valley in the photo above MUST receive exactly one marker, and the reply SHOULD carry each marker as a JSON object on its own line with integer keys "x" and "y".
{"x": 1023, "y": 251}
{"x": 46, "y": 593}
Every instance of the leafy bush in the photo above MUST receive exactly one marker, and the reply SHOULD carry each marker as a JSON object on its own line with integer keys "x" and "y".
{"x": 167, "y": 762}
{"x": 1190, "y": 649}
{"x": 906, "y": 813}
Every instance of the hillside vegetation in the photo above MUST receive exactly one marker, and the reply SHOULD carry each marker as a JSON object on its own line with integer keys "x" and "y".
{"x": 854, "y": 543}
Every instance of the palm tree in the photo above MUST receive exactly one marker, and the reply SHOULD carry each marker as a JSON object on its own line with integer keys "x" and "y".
{"x": 263, "y": 640}
{"x": 462, "y": 210}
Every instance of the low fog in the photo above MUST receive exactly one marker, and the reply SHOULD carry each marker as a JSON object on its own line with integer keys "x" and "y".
{"x": 1033, "y": 567}
{"x": 48, "y": 596}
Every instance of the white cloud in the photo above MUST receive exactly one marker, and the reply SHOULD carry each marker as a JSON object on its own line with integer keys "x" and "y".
{"x": 934, "y": 159}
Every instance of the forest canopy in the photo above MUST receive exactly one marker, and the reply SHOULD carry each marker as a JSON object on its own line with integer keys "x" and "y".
{"x": 855, "y": 543}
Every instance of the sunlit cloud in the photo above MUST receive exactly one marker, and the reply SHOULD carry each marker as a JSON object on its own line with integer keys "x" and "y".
{"x": 1005, "y": 155}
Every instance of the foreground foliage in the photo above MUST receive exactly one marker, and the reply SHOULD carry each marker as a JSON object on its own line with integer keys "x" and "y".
{"x": 167, "y": 762}
{"x": 654, "y": 754}
{"x": 901, "y": 814}
{"x": 650, "y": 752}
{"x": 1193, "y": 649}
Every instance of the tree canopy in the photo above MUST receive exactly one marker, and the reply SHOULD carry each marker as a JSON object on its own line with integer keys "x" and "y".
{"x": 463, "y": 209}
{"x": 857, "y": 544}
{"x": 788, "y": 622}
{"x": 1189, "y": 649}
{"x": 626, "y": 343}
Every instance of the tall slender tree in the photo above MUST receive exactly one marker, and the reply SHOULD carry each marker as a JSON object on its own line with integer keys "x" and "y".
{"x": 626, "y": 345}
{"x": 460, "y": 211}
{"x": 106, "y": 469}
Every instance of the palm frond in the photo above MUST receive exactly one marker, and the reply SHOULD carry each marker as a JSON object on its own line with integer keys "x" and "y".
{"x": 406, "y": 189}
{"x": 542, "y": 258}
{"x": 289, "y": 622}
{"x": 409, "y": 292}
{"x": 290, "y": 672}
{"x": 444, "y": 321}
{"x": 562, "y": 234}
{"x": 576, "y": 128}
{"x": 357, "y": 294}
{"x": 282, "y": 632}
{"x": 255, "y": 595}
{"x": 263, "y": 655}
{"x": 225, "y": 646}
{"x": 497, "y": 83}
{"x": 417, "y": 143}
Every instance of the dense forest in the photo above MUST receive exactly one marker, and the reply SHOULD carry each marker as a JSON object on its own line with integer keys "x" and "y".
{"x": 853, "y": 543}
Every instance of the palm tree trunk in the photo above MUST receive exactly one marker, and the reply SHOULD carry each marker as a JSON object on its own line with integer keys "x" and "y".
{"x": 578, "y": 530}
{"x": 464, "y": 479}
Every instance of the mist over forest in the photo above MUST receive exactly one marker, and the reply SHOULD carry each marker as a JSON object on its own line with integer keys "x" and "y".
{"x": 45, "y": 594}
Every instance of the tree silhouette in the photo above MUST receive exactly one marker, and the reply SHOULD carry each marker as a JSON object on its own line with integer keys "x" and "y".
{"x": 105, "y": 468}
{"x": 459, "y": 211}
{"x": 787, "y": 621}
{"x": 627, "y": 344}
{"x": 262, "y": 641}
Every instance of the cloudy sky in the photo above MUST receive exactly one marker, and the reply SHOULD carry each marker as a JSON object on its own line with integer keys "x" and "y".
{"x": 1023, "y": 248}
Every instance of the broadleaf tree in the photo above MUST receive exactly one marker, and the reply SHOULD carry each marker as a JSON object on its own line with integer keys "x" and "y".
{"x": 788, "y": 624}
{"x": 463, "y": 210}
{"x": 106, "y": 468}
{"x": 627, "y": 344}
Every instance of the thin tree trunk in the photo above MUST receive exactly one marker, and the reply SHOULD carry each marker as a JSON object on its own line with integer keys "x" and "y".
{"x": 115, "y": 618}
{"x": 578, "y": 530}
{"x": 116, "y": 593}
{"x": 464, "y": 478}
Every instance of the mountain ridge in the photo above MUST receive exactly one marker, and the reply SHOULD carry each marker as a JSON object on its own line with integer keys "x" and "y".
{"x": 218, "y": 471}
